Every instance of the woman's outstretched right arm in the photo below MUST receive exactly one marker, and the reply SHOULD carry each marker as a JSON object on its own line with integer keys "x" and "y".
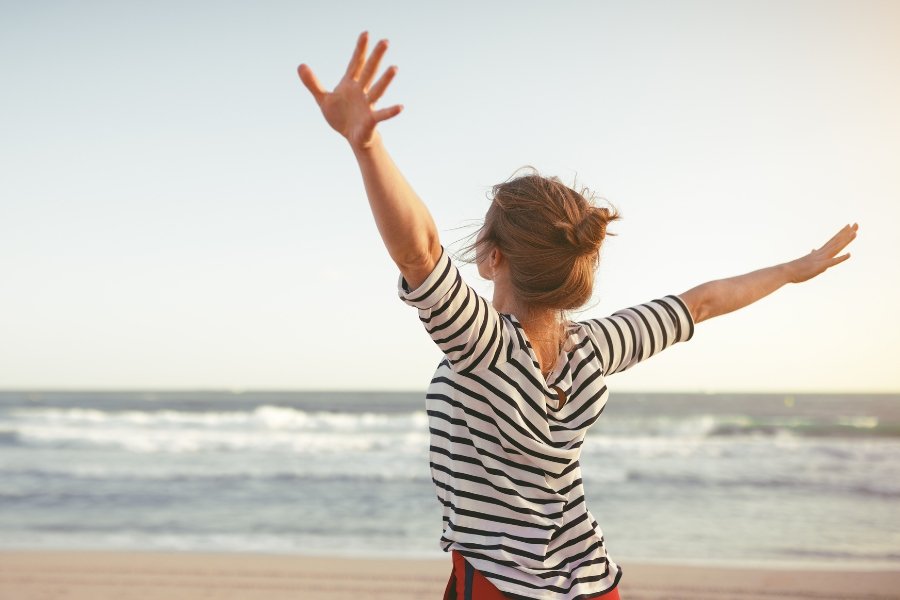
{"x": 464, "y": 325}
{"x": 722, "y": 296}
{"x": 404, "y": 222}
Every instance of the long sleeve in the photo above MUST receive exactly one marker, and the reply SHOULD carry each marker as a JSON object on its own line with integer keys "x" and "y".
{"x": 631, "y": 335}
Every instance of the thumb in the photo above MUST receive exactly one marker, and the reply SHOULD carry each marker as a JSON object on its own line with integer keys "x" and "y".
{"x": 312, "y": 83}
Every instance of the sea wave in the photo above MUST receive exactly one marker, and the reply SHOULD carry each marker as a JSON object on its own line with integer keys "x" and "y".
{"x": 271, "y": 428}
{"x": 221, "y": 474}
{"x": 880, "y": 489}
{"x": 266, "y": 428}
{"x": 262, "y": 417}
{"x": 9, "y": 437}
{"x": 723, "y": 426}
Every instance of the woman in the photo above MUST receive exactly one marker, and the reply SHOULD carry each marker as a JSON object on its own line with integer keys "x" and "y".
{"x": 520, "y": 384}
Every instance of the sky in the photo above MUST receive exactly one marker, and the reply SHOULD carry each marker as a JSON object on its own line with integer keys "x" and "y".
{"x": 176, "y": 214}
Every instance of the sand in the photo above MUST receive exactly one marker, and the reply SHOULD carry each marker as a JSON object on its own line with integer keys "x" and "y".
{"x": 45, "y": 575}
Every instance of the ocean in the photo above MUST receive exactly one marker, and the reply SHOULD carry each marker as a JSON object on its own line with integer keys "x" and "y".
{"x": 810, "y": 480}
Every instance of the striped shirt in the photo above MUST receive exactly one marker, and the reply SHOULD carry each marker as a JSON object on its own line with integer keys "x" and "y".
{"x": 504, "y": 454}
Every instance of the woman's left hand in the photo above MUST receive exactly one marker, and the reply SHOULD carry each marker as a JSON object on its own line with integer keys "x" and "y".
{"x": 348, "y": 109}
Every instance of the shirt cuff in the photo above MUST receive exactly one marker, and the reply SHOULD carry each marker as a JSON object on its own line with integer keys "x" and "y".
{"x": 685, "y": 320}
{"x": 438, "y": 283}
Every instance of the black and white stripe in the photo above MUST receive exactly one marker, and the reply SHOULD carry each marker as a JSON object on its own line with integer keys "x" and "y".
{"x": 504, "y": 455}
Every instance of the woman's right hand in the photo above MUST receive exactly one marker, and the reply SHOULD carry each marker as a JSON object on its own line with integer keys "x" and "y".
{"x": 814, "y": 263}
{"x": 348, "y": 109}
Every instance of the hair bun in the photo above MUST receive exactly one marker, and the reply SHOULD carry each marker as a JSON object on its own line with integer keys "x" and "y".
{"x": 587, "y": 235}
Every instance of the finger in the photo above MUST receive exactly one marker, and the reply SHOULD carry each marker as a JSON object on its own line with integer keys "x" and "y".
{"x": 839, "y": 259}
{"x": 356, "y": 61}
{"x": 837, "y": 241}
{"x": 312, "y": 83}
{"x": 387, "y": 113}
{"x": 377, "y": 90}
{"x": 836, "y": 237}
{"x": 840, "y": 241}
{"x": 371, "y": 67}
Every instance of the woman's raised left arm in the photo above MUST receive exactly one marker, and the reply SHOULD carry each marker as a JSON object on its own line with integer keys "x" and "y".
{"x": 722, "y": 296}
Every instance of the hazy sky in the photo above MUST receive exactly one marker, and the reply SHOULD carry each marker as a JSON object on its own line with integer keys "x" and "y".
{"x": 176, "y": 213}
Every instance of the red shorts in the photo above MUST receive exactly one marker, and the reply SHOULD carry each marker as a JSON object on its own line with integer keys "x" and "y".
{"x": 467, "y": 583}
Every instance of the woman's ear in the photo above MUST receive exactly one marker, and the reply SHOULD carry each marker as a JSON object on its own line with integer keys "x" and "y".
{"x": 496, "y": 257}
{"x": 489, "y": 263}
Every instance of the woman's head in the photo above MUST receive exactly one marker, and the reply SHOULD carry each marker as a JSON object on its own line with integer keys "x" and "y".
{"x": 550, "y": 236}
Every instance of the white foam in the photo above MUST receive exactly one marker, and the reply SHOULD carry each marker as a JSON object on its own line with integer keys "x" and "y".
{"x": 267, "y": 428}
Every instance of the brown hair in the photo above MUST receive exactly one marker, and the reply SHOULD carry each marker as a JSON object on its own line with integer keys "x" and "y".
{"x": 551, "y": 236}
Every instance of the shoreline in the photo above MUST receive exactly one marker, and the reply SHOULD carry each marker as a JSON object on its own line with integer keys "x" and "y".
{"x": 831, "y": 564}
{"x": 101, "y": 575}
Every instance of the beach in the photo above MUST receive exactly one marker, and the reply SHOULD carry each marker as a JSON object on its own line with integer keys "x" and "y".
{"x": 262, "y": 495}
{"x": 83, "y": 575}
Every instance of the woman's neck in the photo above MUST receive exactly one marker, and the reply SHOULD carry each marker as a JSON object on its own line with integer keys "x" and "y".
{"x": 531, "y": 318}
{"x": 543, "y": 327}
